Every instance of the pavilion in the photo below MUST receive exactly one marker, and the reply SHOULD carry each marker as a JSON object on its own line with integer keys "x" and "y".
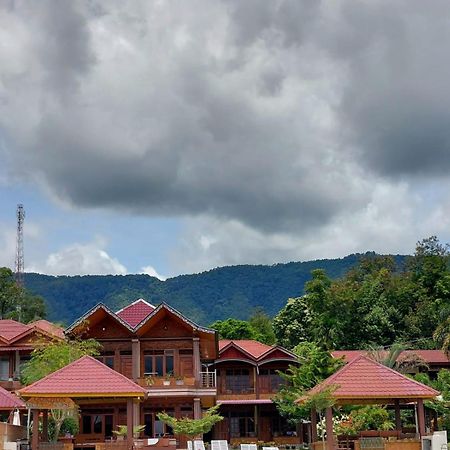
{"x": 83, "y": 381}
{"x": 9, "y": 402}
{"x": 364, "y": 381}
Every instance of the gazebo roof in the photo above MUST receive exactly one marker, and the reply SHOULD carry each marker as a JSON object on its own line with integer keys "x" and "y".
{"x": 84, "y": 378}
{"x": 9, "y": 401}
{"x": 364, "y": 380}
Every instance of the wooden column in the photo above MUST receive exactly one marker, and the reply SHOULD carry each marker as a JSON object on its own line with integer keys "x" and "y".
{"x": 35, "y": 430}
{"x": 45, "y": 425}
{"x": 255, "y": 381}
{"x": 130, "y": 423}
{"x": 17, "y": 365}
{"x": 136, "y": 358}
{"x": 420, "y": 417}
{"x": 329, "y": 427}
{"x": 313, "y": 425}
{"x": 398, "y": 419}
{"x": 256, "y": 419}
{"x": 136, "y": 413}
{"x": 197, "y": 409}
{"x": 197, "y": 366}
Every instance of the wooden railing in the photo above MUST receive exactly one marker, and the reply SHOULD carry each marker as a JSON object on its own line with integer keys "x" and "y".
{"x": 207, "y": 380}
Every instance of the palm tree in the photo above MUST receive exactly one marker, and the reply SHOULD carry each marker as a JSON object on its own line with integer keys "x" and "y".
{"x": 395, "y": 357}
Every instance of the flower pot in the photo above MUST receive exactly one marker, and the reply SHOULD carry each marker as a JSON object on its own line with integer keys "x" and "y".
{"x": 166, "y": 382}
{"x": 179, "y": 382}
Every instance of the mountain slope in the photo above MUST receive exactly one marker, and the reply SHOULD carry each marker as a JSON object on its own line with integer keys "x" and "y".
{"x": 220, "y": 293}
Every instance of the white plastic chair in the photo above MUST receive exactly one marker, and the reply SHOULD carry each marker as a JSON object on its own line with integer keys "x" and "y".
{"x": 270, "y": 448}
{"x": 199, "y": 445}
{"x": 249, "y": 447}
{"x": 219, "y": 445}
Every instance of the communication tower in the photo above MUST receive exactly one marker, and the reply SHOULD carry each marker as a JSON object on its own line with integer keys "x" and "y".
{"x": 19, "y": 245}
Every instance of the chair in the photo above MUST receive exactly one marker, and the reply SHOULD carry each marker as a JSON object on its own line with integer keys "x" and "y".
{"x": 270, "y": 448}
{"x": 249, "y": 447}
{"x": 219, "y": 445}
{"x": 199, "y": 445}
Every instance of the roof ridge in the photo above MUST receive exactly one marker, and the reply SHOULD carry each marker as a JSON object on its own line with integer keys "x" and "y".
{"x": 140, "y": 299}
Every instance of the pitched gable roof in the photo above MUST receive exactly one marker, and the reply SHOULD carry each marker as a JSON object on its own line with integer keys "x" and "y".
{"x": 85, "y": 377}
{"x": 98, "y": 307}
{"x": 164, "y": 306}
{"x": 363, "y": 378}
{"x": 253, "y": 349}
{"x": 135, "y": 312}
{"x": 48, "y": 327}
{"x": 9, "y": 401}
{"x": 11, "y": 329}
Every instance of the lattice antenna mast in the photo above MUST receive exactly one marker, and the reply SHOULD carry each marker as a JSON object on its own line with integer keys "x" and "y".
{"x": 19, "y": 246}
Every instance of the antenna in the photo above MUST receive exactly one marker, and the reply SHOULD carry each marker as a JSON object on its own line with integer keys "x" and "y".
{"x": 19, "y": 246}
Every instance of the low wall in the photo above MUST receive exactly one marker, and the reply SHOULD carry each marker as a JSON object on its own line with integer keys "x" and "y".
{"x": 11, "y": 433}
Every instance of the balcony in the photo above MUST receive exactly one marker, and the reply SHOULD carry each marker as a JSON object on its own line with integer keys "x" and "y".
{"x": 10, "y": 384}
{"x": 207, "y": 381}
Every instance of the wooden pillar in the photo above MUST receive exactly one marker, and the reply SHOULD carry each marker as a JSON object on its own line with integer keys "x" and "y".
{"x": 197, "y": 409}
{"x": 313, "y": 425}
{"x": 420, "y": 417}
{"x": 329, "y": 428}
{"x": 255, "y": 381}
{"x": 130, "y": 423}
{"x": 45, "y": 425}
{"x": 197, "y": 366}
{"x": 255, "y": 415}
{"x": 17, "y": 365}
{"x": 136, "y": 413}
{"x": 35, "y": 431}
{"x": 398, "y": 419}
{"x": 136, "y": 359}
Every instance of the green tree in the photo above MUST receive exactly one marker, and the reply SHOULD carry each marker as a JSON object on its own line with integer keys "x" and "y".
{"x": 262, "y": 326}
{"x": 292, "y": 324}
{"x": 234, "y": 329}
{"x": 47, "y": 358}
{"x": 314, "y": 366}
{"x": 192, "y": 427}
{"x": 16, "y": 302}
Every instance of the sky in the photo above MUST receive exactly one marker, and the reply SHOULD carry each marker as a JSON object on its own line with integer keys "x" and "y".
{"x": 170, "y": 137}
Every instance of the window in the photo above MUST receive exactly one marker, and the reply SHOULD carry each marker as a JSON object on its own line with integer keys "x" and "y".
{"x": 242, "y": 424}
{"x": 159, "y": 362}
{"x": 97, "y": 424}
{"x": 4, "y": 368}
{"x": 238, "y": 381}
{"x": 23, "y": 360}
{"x": 155, "y": 427}
{"x": 270, "y": 380}
{"x": 107, "y": 358}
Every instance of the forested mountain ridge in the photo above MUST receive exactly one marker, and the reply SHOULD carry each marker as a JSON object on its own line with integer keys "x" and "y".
{"x": 232, "y": 291}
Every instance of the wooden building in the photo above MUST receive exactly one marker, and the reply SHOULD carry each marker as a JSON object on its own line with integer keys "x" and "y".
{"x": 159, "y": 349}
{"x": 247, "y": 378}
{"x": 17, "y": 341}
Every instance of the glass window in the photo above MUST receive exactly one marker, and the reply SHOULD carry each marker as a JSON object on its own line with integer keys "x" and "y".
{"x": 4, "y": 368}
{"x": 159, "y": 363}
{"x": 87, "y": 425}
{"x": 98, "y": 420}
{"x": 108, "y": 425}
{"x": 159, "y": 428}
{"x": 148, "y": 364}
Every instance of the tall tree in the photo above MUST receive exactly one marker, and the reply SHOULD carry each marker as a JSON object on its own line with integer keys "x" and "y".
{"x": 234, "y": 329}
{"x": 16, "y": 302}
{"x": 262, "y": 325}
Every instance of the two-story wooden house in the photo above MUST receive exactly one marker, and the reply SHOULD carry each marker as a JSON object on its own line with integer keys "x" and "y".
{"x": 247, "y": 378}
{"x": 17, "y": 341}
{"x": 161, "y": 350}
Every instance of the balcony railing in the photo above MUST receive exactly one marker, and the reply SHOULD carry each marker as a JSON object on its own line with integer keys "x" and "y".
{"x": 208, "y": 379}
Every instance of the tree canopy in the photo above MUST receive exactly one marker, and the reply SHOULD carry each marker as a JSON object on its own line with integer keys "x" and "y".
{"x": 16, "y": 302}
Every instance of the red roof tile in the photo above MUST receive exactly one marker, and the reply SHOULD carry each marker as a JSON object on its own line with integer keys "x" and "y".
{"x": 136, "y": 312}
{"x": 429, "y": 356}
{"x": 8, "y": 400}
{"x": 49, "y": 328}
{"x": 363, "y": 378}
{"x": 10, "y": 329}
{"x": 85, "y": 377}
{"x": 253, "y": 348}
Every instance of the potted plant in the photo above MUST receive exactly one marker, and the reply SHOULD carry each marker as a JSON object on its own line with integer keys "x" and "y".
{"x": 179, "y": 380}
{"x": 122, "y": 432}
{"x": 149, "y": 380}
{"x": 167, "y": 379}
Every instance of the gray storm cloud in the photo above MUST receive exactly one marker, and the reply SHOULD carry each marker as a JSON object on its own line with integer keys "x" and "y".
{"x": 281, "y": 115}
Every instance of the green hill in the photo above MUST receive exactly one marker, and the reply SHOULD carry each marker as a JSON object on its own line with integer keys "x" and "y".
{"x": 220, "y": 293}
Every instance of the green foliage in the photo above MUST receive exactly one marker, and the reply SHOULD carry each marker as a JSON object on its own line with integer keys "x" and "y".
{"x": 262, "y": 326}
{"x": 205, "y": 297}
{"x": 234, "y": 329}
{"x": 369, "y": 417}
{"x": 292, "y": 324}
{"x": 16, "y": 302}
{"x": 315, "y": 365}
{"x": 123, "y": 430}
{"x": 67, "y": 418}
{"x": 192, "y": 427}
{"x": 47, "y": 358}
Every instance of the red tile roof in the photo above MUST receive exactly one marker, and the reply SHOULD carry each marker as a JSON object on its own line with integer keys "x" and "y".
{"x": 253, "y": 348}
{"x": 136, "y": 312}
{"x": 363, "y": 378}
{"x": 85, "y": 377}
{"x": 10, "y": 329}
{"x": 9, "y": 401}
{"x": 49, "y": 328}
{"x": 429, "y": 356}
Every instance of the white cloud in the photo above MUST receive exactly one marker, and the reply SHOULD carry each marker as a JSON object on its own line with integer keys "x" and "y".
{"x": 81, "y": 259}
{"x": 150, "y": 270}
